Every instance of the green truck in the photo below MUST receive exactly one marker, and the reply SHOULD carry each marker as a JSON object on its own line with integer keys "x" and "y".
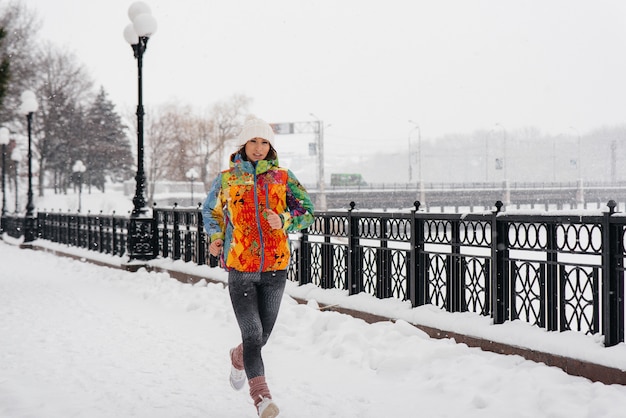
{"x": 346, "y": 179}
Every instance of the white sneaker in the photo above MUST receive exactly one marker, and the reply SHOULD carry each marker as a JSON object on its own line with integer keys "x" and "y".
{"x": 267, "y": 408}
{"x": 237, "y": 377}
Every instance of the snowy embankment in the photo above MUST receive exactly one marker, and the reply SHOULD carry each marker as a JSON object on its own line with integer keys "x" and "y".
{"x": 517, "y": 333}
{"x": 90, "y": 341}
{"x": 570, "y": 344}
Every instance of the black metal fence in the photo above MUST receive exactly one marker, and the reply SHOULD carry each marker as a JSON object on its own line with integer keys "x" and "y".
{"x": 181, "y": 236}
{"x": 103, "y": 233}
{"x": 556, "y": 271}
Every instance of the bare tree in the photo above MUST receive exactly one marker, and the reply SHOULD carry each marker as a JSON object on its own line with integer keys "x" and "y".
{"x": 201, "y": 133}
{"x": 227, "y": 116}
{"x": 177, "y": 140}
{"x": 162, "y": 144}
{"x": 21, "y": 26}
{"x": 189, "y": 131}
{"x": 64, "y": 90}
{"x": 5, "y": 74}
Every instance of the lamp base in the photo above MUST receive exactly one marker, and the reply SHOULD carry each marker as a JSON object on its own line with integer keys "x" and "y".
{"x": 142, "y": 238}
{"x": 30, "y": 228}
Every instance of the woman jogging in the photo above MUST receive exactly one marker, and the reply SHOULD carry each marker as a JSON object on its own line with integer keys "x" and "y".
{"x": 247, "y": 214}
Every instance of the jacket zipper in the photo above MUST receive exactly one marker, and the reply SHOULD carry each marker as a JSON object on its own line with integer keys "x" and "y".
{"x": 256, "y": 206}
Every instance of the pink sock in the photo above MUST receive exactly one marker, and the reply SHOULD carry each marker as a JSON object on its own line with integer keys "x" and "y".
{"x": 258, "y": 389}
{"x": 236, "y": 357}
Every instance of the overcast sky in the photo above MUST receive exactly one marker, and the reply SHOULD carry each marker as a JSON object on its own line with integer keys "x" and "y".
{"x": 366, "y": 67}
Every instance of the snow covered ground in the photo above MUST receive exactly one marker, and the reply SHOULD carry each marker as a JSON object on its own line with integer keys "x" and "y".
{"x": 80, "y": 340}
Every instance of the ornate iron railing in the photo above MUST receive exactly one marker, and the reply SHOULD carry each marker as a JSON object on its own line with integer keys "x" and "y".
{"x": 555, "y": 271}
{"x": 181, "y": 236}
{"x": 103, "y": 233}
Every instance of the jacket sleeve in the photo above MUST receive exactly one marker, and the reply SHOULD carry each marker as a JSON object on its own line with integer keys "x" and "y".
{"x": 300, "y": 214}
{"x": 213, "y": 211}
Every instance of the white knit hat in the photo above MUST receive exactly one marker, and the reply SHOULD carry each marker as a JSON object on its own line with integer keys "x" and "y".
{"x": 256, "y": 128}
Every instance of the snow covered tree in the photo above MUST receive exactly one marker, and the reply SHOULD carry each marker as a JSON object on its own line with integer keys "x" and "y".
{"x": 20, "y": 26}
{"x": 61, "y": 142}
{"x": 105, "y": 149}
{"x": 64, "y": 88}
{"x": 4, "y": 69}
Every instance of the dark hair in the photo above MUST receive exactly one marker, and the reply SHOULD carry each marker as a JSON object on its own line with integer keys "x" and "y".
{"x": 271, "y": 154}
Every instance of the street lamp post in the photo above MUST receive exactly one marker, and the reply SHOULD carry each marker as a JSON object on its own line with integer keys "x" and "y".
{"x": 410, "y": 162}
{"x": 579, "y": 158}
{"x": 420, "y": 181}
{"x": 4, "y": 140}
{"x": 79, "y": 168}
{"x": 419, "y": 152}
{"x": 28, "y": 107}
{"x": 16, "y": 157}
{"x": 321, "y": 203}
{"x": 141, "y": 233}
{"x": 580, "y": 193}
{"x": 192, "y": 175}
{"x": 505, "y": 163}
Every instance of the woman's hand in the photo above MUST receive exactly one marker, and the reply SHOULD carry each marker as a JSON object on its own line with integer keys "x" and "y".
{"x": 216, "y": 247}
{"x": 274, "y": 220}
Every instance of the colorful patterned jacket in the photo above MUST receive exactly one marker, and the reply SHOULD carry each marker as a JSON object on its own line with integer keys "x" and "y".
{"x": 234, "y": 211}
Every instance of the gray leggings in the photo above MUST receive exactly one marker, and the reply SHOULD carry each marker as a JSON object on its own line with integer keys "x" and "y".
{"x": 256, "y": 300}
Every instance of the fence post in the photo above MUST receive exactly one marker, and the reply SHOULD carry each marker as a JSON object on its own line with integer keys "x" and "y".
{"x": 549, "y": 314}
{"x": 355, "y": 264}
{"x": 417, "y": 261}
{"x": 303, "y": 255}
{"x": 84, "y": 226}
{"x": 200, "y": 240}
{"x": 176, "y": 234}
{"x": 612, "y": 280}
{"x": 499, "y": 255}
{"x": 411, "y": 260}
{"x": 100, "y": 233}
{"x": 383, "y": 263}
{"x": 90, "y": 231}
{"x": 113, "y": 234}
{"x": 55, "y": 226}
{"x": 80, "y": 228}
{"x": 166, "y": 249}
{"x": 76, "y": 226}
{"x": 61, "y": 228}
{"x": 326, "y": 279}
{"x": 41, "y": 225}
{"x": 455, "y": 277}
{"x": 187, "y": 245}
